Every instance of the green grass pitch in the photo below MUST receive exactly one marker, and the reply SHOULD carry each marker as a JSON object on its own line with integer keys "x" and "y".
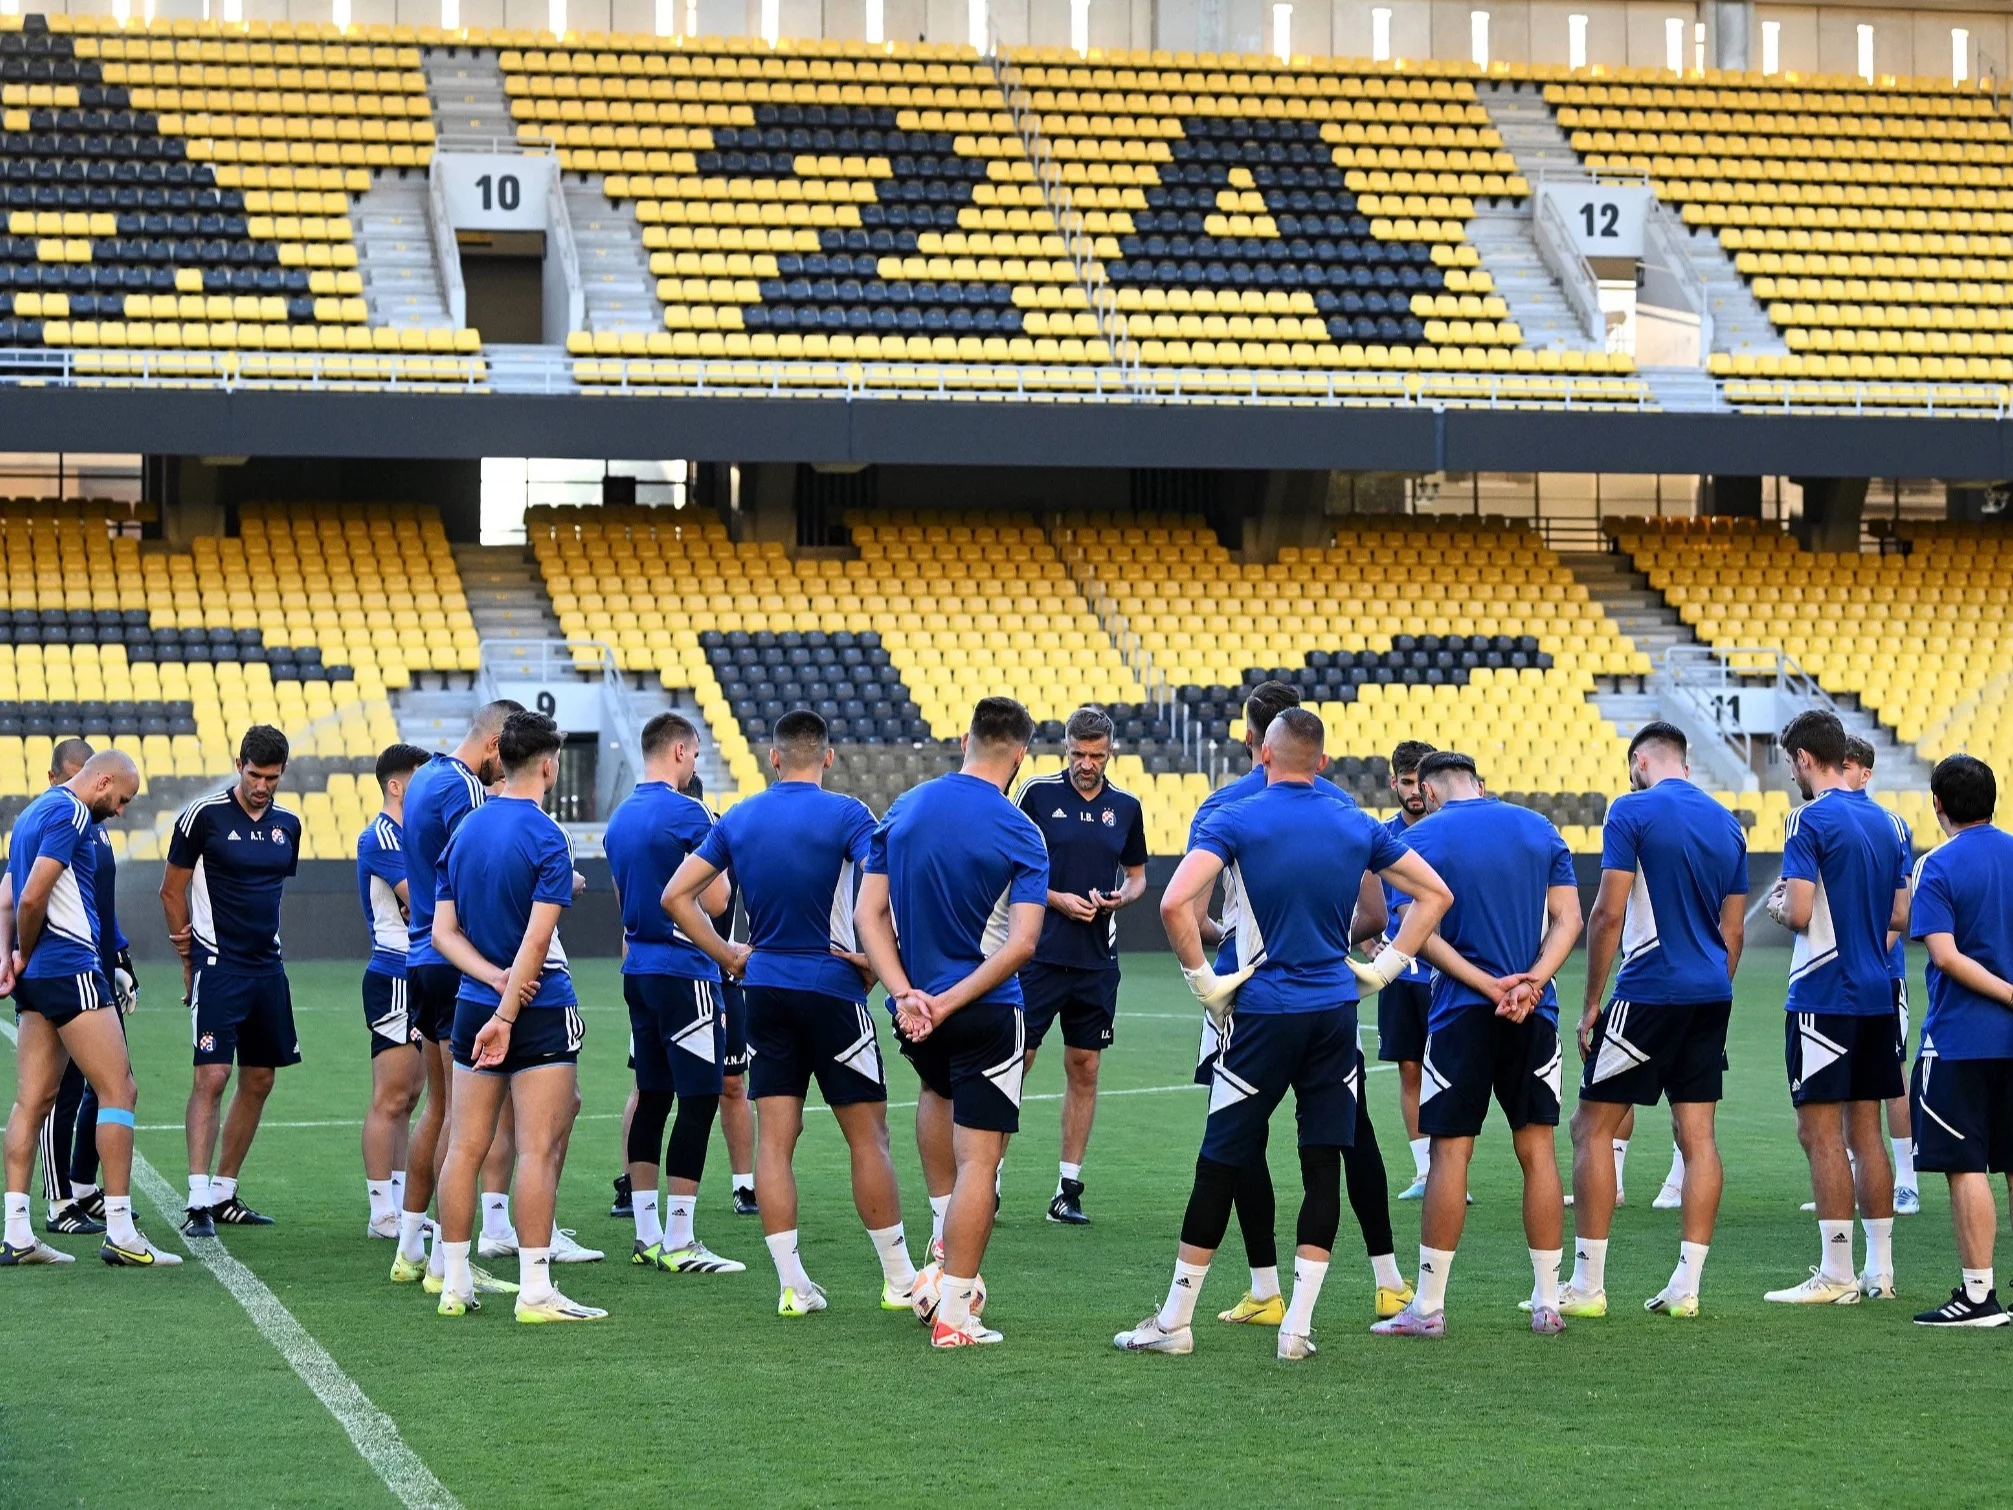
{"x": 156, "y": 1390}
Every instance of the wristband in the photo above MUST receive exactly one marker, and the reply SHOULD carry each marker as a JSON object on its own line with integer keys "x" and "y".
{"x": 508, "y": 1022}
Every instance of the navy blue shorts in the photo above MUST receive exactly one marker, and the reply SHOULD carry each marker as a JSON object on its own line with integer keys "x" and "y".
{"x": 1266, "y": 1054}
{"x": 1476, "y": 1053}
{"x": 540, "y": 1036}
{"x": 431, "y": 991}
{"x": 677, "y": 1035}
{"x": 62, "y": 998}
{"x": 245, "y": 1016}
{"x": 386, "y": 1013}
{"x": 795, "y": 1035}
{"x": 1832, "y": 1056}
{"x": 1085, "y": 1000}
{"x": 1402, "y": 1007}
{"x": 1206, "y": 1052}
{"x": 1962, "y": 1113}
{"x": 974, "y": 1061}
{"x": 734, "y": 1013}
{"x": 1639, "y": 1052}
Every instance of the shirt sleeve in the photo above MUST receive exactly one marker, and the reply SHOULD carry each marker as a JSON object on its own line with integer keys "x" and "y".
{"x": 1563, "y": 873}
{"x": 1907, "y": 847}
{"x": 1386, "y": 848}
{"x": 861, "y": 840}
{"x": 388, "y": 865}
{"x": 443, "y": 873}
{"x": 1134, "y": 852}
{"x": 294, "y": 848}
{"x": 185, "y": 847}
{"x": 1736, "y": 881}
{"x": 694, "y": 824}
{"x": 877, "y": 849}
{"x": 714, "y": 848}
{"x": 1620, "y": 843}
{"x": 1030, "y": 875}
{"x": 1799, "y": 851}
{"x": 1932, "y": 911}
{"x": 555, "y": 871}
{"x": 59, "y": 836}
{"x": 1217, "y": 835}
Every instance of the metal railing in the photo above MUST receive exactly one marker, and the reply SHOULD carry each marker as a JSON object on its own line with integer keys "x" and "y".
{"x": 564, "y": 255}
{"x": 469, "y": 141}
{"x": 232, "y": 370}
{"x": 1897, "y": 397}
{"x": 446, "y": 251}
{"x": 504, "y": 662}
{"x": 1702, "y": 686}
{"x": 1664, "y": 238}
{"x": 1576, "y": 277}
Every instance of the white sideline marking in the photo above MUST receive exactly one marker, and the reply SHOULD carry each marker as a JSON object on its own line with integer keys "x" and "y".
{"x": 373, "y": 1433}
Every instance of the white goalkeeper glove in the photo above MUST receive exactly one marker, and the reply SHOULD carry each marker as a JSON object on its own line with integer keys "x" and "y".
{"x": 125, "y": 983}
{"x": 1390, "y": 963}
{"x": 1778, "y": 902}
{"x": 1216, "y": 992}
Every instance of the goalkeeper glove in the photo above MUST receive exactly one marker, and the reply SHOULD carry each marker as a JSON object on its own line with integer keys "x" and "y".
{"x": 125, "y": 983}
{"x": 1778, "y": 903}
{"x": 1216, "y": 992}
{"x": 1390, "y": 963}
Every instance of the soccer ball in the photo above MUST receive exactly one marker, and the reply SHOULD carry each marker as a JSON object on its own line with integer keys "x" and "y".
{"x": 925, "y": 1294}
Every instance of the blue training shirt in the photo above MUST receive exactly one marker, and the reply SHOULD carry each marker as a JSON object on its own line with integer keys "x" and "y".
{"x": 1398, "y": 826}
{"x": 105, "y": 891}
{"x": 957, "y": 855}
{"x": 1962, "y": 889}
{"x": 795, "y": 851}
{"x": 380, "y": 866}
{"x": 1499, "y": 860}
{"x": 501, "y": 860}
{"x": 1897, "y": 957}
{"x": 1855, "y": 854}
{"x": 648, "y": 838}
{"x": 58, "y": 826}
{"x": 1293, "y": 865}
{"x": 1250, "y": 784}
{"x": 441, "y": 793}
{"x": 241, "y": 865}
{"x": 1090, "y": 843}
{"x": 1688, "y": 855}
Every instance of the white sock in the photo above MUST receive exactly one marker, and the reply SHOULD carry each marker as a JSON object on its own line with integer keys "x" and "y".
{"x": 1433, "y": 1266}
{"x": 1904, "y": 1163}
{"x": 379, "y": 1192}
{"x": 1690, "y": 1268}
{"x": 1590, "y": 1265}
{"x": 199, "y": 1192}
{"x": 678, "y": 1220}
{"x": 1621, "y": 1158}
{"x": 1385, "y": 1267}
{"x": 1879, "y": 1244}
{"x": 744, "y": 1181}
{"x": 1977, "y": 1284}
{"x": 119, "y": 1221}
{"x": 1179, "y": 1308}
{"x": 496, "y": 1217}
{"x": 1068, "y": 1171}
{"x": 1836, "y": 1250}
{"x": 79, "y": 1191}
{"x": 436, "y": 1260}
{"x": 1545, "y": 1274}
{"x": 454, "y": 1257}
{"x": 1307, "y": 1276}
{"x": 1422, "y": 1156}
{"x": 397, "y": 1183}
{"x": 19, "y": 1233}
{"x": 954, "y": 1304}
{"x": 789, "y": 1267}
{"x": 939, "y": 1204}
{"x": 643, "y": 1206}
{"x": 222, "y": 1188}
{"x": 999, "y": 1178}
{"x": 1675, "y": 1179}
{"x": 534, "y": 1274}
{"x": 891, "y": 1245}
{"x": 412, "y": 1236}
{"x": 1265, "y": 1282}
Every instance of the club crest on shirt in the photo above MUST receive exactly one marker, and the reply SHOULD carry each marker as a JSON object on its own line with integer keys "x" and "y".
{"x": 1110, "y": 818}
{"x": 279, "y": 836}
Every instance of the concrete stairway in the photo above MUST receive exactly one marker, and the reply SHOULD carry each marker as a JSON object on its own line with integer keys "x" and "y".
{"x": 1738, "y": 322}
{"x": 1626, "y": 596}
{"x": 1689, "y": 389}
{"x": 466, "y": 89}
{"x": 614, "y": 268}
{"x": 505, "y": 596}
{"x": 1509, "y": 253}
{"x": 1530, "y": 133}
{"x": 394, "y": 252}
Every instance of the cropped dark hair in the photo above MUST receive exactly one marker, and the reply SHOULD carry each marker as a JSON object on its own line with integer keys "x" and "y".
{"x": 69, "y": 752}
{"x": 666, "y": 730}
{"x": 1819, "y": 735}
{"x": 1301, "y": 725}
{"x": 1001, "y": 721}
{"x": 1090, "y": 722}
{"x": 399, "y": 760}
{"x": 263, "y": 745}
{"x": 1966, "y": 787}
{"x": 1447, "y": 760}
{"x": 1406, "y": 757}
{"x": 1265, "y": 702}
{"x": 1657, "y": 732}
{"x": 527, "y": 737}
{"x": 801, "y": 737}
{"x": 1859, "y": 751}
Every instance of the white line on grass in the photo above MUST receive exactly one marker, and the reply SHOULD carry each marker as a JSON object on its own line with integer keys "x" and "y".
{"x": 373, "y": 1433}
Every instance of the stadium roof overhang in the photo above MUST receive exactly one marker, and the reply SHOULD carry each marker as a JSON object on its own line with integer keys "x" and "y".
{"x": 941, "y": 432}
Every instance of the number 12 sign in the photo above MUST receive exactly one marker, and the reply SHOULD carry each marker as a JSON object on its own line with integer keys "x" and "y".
{"x": 1605, "y": 220}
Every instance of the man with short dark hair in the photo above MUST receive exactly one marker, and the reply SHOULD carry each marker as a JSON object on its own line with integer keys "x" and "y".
{"x": 678, "y": 1033}
{"x": 1844, "y": 894}
{"x": 1963, "y": 1082}
{"x": 229, "y": 858}
{"x": 951, "y": 907}
{"x": 1494, "y": 1024}
{"x": 505, "y": 877}
{"x": 1293, "y": 861}
{"x": 1402, "y": 1006}
{"x": 1096, "y": 837}
{"x": 1673, "y": 900}
{"x": 795, "y": 850}
{"x": 1858, "y": 769}
{"x": 396, "y": 1077}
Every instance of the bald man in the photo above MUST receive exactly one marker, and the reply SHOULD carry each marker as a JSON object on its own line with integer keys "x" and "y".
{"x": 64, "y": 1008}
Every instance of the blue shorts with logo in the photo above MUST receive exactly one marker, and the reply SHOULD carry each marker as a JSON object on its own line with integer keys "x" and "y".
{"x": 62, "y": 998}
{"x": 1264, "y": 1055}
{"x": 677, "y": 1034}
{"x": 734, "y": 1017}
{"x": 1085, "y": 1000}
{"x": 387, "y": 1013}
{"x": 541, "y": 1036}
{"x": 243, "y": 1015}
{"x": 798, "y": 1035}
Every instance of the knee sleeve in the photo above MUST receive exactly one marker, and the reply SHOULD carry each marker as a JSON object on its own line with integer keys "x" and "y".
{"x": 1257, "y": 1215}
{"x": 1208, "y": 1215}
{"x": 685, "y": 1159}
{"x": 1369, "y": 1189}
{"x": 646, "y": 1128}
{"x": 1321, "y": 1197}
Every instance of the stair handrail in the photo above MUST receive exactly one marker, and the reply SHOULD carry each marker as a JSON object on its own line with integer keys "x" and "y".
{"x": 1561, "y": 254}
{"x": 446, "y": 255}
{"x": 560, "y": 248}
{"x": 1661, "y": 231}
